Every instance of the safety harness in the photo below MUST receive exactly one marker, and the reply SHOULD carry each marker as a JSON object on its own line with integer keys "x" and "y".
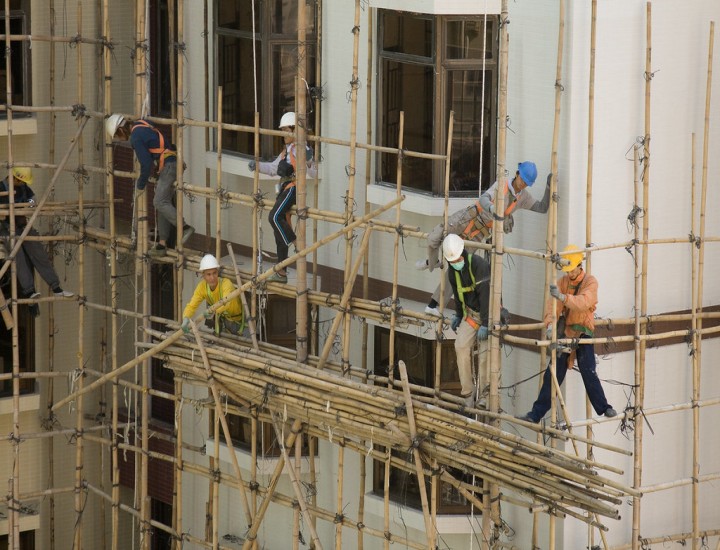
{"x": 161, "y": 151}
{"x": 209, "y": 298}
{"x": 477, "y": 229}
{"x": 472, "y": 317}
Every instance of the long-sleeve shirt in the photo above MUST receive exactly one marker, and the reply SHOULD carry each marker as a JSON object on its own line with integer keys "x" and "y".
{"x": 142, "y": 140}
{"x": 232, "y": 310}
{"x": 475, "y": 296}
{"x": 270, "y": 168}
{"x": 23, "y": 194}
{"x": 525, "y": 201}
{"x": 579, "y": 308}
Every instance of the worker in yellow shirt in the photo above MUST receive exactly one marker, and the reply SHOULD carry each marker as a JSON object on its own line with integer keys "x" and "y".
{"x": 212, "y": 289}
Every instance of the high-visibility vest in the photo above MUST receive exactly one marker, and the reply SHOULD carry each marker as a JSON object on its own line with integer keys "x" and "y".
{"x": 161, "y": 151}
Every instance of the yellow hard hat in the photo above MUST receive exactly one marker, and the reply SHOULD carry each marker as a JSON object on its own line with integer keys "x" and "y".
{"x": 23, "y": 174}
{"x": 574, "y": 259}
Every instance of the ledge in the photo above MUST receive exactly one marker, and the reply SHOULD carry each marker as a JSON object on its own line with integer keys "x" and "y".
{"x": 418, "y": 203}
{"x": 265, "y": 465}
{"x": 24, "y": 126}
{"x": 29, "y": 402}
{"x": 442, "y": 7}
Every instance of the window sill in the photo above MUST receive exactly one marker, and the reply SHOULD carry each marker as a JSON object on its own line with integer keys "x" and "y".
{"x": 265, "y": 465}
{"x": 28, "y": 402}
{"x": 417, "y": 202}
{"x": 20, "y": 126}
{"x": 441, "y": 7}
{"x": 447, "y": 524}
{"x": 236, "y": 165}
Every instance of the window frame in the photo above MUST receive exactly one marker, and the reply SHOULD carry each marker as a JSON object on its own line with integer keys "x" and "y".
{"x": 443, "y": 65}
{"x": 24, "y": 14}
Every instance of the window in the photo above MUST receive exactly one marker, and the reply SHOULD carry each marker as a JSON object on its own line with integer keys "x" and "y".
{"x": 162, "y": 513}
{"x": 419, "y": 355}
{"x": 26, "y": 342}
{"x": 428, "y": 66}
{"x": 27, "y": 541}
{"x": 274, "y": 52}
{"x": 162, "y": 59}
{"x": 162, "y": 283}
{"x": 19, "y": 71}
{"x": 279, "y": 330}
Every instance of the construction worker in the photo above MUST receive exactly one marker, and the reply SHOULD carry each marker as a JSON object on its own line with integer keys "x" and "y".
{"x": 32, "y": 254}
{"x": 474, "y": 223}
{"x": 212, "y": 289}
{"x": 470, "y": 282}
{"x": 574, "y": 299}
{"x": 151, "y": 151}
{"x": 284, "y": 166}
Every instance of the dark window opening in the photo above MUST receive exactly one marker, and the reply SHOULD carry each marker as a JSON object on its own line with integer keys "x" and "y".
{"x": 26, "y": 349}
{"x": 19, "y": 67}
{"x": 162, "y": 305}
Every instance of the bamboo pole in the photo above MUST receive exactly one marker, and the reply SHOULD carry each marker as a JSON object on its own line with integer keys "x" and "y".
{"x": 218, "y": 176}
{"x": 301, "y": 302}
{"x": 429, "y": 527}
{"x": 250, "y": 319}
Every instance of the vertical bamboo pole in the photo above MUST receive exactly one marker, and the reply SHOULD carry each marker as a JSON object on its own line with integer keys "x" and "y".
{"x": 180, "y": 142}
{"x": 80, "y": 403}
{"x": 177, "y": 490}
{"x": 698, "y": 306}
{"x": 340, "y": 484}
{"x": 295, "y": 467}
{"x": 218, "y": 176}
{"x": 386, "y": 497}
{"x": 640, "y": 396}
{"x": 208, "y": 116}
{"x": 491, "y": 499}
{"x": 301, "y": 140}
{"x": 216, "y": 480}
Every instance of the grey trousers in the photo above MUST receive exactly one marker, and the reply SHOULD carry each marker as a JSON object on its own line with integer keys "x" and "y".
{"x": 32, "y": 255}
{"x": 464, "y": 343}
{"x": 163, "y": 201}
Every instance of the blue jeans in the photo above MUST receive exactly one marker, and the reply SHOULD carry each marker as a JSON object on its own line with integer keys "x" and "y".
{"x": 586, "y": 365}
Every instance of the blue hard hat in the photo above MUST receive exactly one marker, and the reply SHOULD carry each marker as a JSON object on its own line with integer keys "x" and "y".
{"x": 528, "y": 172}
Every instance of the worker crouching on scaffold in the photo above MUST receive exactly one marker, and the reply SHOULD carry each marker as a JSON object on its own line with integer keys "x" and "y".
{"x": 284, "y": 166}
{"x": 475, "y": 222}
{"x": 213, "y": 289}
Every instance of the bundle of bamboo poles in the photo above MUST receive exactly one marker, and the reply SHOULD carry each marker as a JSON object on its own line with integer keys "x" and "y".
{"x": 335, "y": 407}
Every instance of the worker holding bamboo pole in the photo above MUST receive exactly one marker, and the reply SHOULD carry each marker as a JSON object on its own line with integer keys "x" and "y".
{"x": 212, "y": 289}
{"x": 284, "y": 166}
{"x": 151, "y": 151}
{"x": 32, "y": 254}
{"x": 474, "y": 223}
{"x": 469, "y": 279}
{"x": 574, "y": 298}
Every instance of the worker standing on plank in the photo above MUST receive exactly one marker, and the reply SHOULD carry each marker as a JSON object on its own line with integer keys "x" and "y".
{"x": 151, "y": 151}
{"x": 469, "y": 279}
{"x": 284, "y": 166}
{"x": 32, "y": 254}
{"x": 574, "y": 299}
{"x": 212, "y": 289}
{"x": 475, "y": 222}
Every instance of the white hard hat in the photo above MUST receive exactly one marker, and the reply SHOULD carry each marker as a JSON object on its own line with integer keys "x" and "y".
{"x": 112, "y": 123}
{"x": 208, "y": 262}
{"x": 453, "y": 247}
{"x": 287, "y": 120}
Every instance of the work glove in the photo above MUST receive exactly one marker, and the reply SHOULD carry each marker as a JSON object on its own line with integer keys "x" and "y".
{"x": 483, "y": 333}
{"x": 185, "y": 325}
{"x": 455, "y": 323}
{"x": 31, "y": 203}
{"x": 548, "y": 332}
{"x": 251, "y": 165}
{"x": 508, "y": 224}
{"x": 555, "y": 293}
{"x": 209, "y": 314}
{"x": 504, "y": 316}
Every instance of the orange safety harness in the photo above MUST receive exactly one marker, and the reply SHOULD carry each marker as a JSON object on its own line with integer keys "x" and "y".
{"x": 477, "y": 229}
{"x": 471, "y": 317}
{"x": 162, "y": 151}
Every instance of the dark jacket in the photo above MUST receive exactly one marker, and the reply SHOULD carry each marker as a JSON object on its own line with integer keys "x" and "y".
{"x": 23, "y": 193}
{"x": 143, "y": 139}
{"x": 477, "y": 296}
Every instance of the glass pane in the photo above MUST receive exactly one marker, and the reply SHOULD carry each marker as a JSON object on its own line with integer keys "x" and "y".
{"x": 237, "y": 15}
{"x": 285, "y": 17}
{"x": 408, "y": 87}
{"x": 464, "y": 93}
{"x": 464, "y": 39}
{"x": 407, "y": 33}
{"x": 17, "y": 63}
{"x": 285, "y": 63}
{"x": 235, "y": 75}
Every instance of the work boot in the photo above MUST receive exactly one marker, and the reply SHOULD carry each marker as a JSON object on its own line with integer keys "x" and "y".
{"x": 469, "y": 401}
{"x": 188, "y": 231}
{"x": 610, "y": 412}
{"x": 432, "y": 311}
{"x": 527, "y": 418}
{"x": 277, "y": 278}
{"x": 157, "y": 251}
{"x": 421, "y": 265}
{"x": 33, "y": 294}
{"x": 57, "y": 291}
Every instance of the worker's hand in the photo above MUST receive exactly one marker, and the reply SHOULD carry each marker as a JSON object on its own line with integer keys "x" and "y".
{"x": 209, "y": 314}
{"x": 185, "y": 325}
{"x": 504, "y": 316}
{"x": 455, "y": 323}
{"x": 483, "y": 333}
{"x": 252, "y": 165}
{"x": 508, "y": 224}
{"x": 31, "y": 203}
{"x": 548, "y": 332}
{"x": 555, "y": 293}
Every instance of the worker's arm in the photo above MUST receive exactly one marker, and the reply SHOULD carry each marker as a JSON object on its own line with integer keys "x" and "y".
{"x": 197, "y": 299}
{"x": 481, "y": 270}
{"x": 542, "y": 206}
{"x": 144, "y": 157}
{"x": 488, "y": 197}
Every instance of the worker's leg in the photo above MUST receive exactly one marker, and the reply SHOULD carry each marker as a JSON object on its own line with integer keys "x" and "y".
{"x": 544, "y": 399}
{"x": 39, "y": 259}
{"x": 163, "y": 201}
{"x": 593, "y": 387}
{"x": 284, "y": 234}
{"x": 463, "y": 353}
{"x": 25, "y": 274}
